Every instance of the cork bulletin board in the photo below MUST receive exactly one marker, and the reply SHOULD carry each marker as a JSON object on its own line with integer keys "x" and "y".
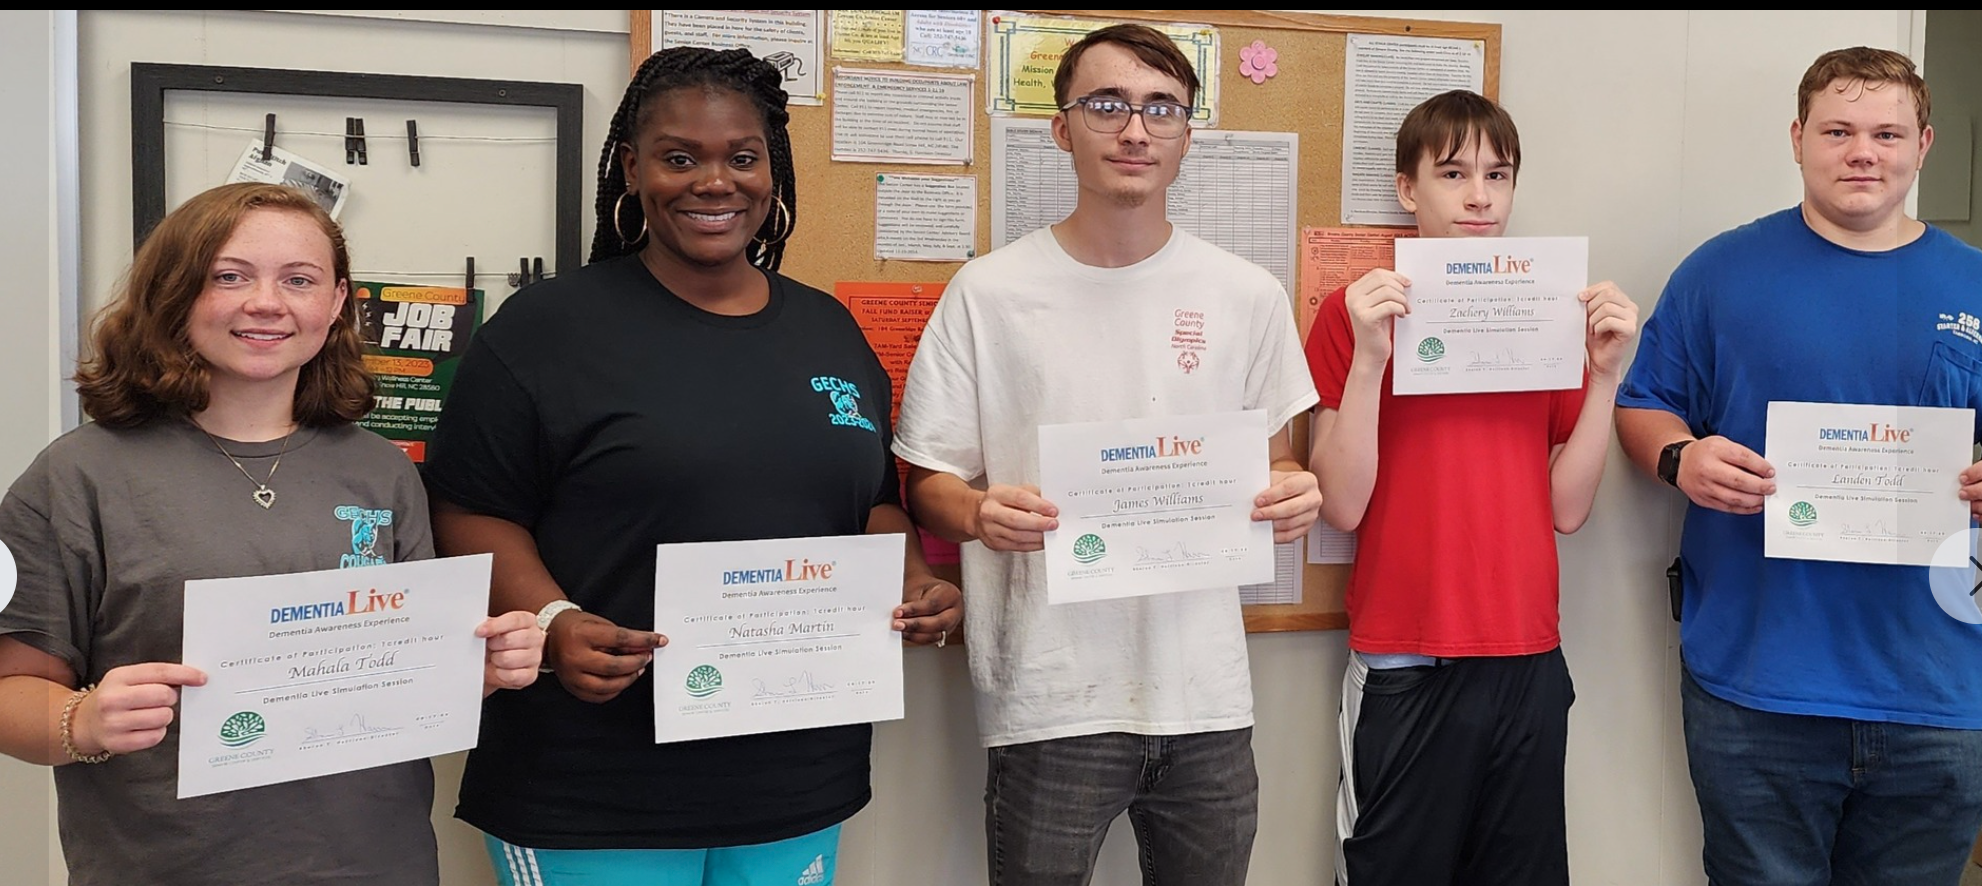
{"x": 834, "y": 242}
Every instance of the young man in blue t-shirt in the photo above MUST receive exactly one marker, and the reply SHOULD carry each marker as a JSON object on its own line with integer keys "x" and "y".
{"x": 1833, "y": 711}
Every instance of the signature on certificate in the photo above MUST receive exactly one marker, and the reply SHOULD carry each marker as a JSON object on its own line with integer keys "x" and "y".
{"x": 1176, "y": 553}
{"x": 1502, "y": 357}
{"x": 803, "y": 684}
{"x": 351, "y": 727}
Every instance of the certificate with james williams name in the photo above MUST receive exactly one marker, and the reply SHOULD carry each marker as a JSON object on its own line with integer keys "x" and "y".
{"x": 317, "y": 673}
{"x": 1155, "y": 505}
{"x": 1865, "y": 484}
{"x": 1490, "y": 314}
{"x": 776, "y": 634}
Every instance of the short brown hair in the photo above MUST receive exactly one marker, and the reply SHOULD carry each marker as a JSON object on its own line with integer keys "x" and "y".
{"x": 1443, "y": 125}
{"x": 1149, "y": 45}
{"x": 1865, "y": 66}
{"x": 143, "y": 366}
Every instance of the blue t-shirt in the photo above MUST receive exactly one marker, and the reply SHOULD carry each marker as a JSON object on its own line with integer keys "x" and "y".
{"x": 1772, "y": 311}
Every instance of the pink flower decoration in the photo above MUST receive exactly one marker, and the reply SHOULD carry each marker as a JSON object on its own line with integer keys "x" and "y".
{"x": 1258, "y": 61}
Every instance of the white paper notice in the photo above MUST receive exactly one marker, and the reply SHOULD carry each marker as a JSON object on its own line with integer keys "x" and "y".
{"x": 1327, "y": 544}
{"x": 776, "y": 634}
{"x": 925, "y": 217}
{"x": 1286, "y": 584}
{"x": 283, "y": 168}
{"x": 1155, "y": 505}
{"x": 1235, "y": 190}
{"x": 1491, "y": 314}
{"x": 885, "y": 116}
{"x": 787, "y": 38}
{"x": 1383, "y": 79}
{"x": 945, "y": 38}
{"x": 1865, "y": 484}
{"x": 317, "y": 673}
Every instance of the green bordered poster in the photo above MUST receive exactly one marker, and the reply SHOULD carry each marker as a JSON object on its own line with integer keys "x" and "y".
{"x": 414, "y": 338}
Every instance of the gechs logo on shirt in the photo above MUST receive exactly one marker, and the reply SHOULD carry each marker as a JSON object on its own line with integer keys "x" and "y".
{"x": 846, "y": 402}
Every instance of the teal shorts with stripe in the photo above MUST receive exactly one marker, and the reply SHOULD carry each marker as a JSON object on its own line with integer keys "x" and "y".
{"x": 800, "y": 861}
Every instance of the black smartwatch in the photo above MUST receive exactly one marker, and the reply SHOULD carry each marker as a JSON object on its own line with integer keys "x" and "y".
{"x": 1669, "y": 461}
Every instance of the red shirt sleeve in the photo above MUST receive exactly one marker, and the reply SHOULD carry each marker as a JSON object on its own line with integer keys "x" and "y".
{"x": 1564, "y": 408}
{"x": 1331, "y": 347}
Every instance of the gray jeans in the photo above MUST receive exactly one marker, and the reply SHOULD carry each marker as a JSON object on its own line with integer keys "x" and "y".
{"x": 1192, "y": 799}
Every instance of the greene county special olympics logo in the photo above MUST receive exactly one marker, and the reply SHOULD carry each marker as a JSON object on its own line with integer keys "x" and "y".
{"x": 1089, "y": 548}
{"x": 1802, "y": 513}
{"x": 1431, "y": 350}
{"x": 243, "y": 729}
{"x": 7, "y": 577}
{"x": 1955, "y": 576}
{"x": 704, "y": 681}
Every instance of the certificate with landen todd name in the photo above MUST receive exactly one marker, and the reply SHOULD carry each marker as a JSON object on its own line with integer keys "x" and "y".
{"x": 317, "y": 673}
{"x": 1155, "y": 505}
{"x": 1865, "y": 483}
{"x": 776, "y": 634}
{"x": 1490, "y": 314}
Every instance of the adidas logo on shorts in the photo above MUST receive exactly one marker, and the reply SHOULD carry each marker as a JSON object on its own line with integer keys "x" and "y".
{"x": 815, "y": 873}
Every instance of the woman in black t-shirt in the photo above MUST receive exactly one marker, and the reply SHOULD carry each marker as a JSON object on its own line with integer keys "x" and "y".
{"x": 676, "y": 389}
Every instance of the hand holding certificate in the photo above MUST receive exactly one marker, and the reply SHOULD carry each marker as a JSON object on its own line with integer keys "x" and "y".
{"x": 1155, "y": 505}
{"x": 1491, "y": 314}
{"x": 318, "y": 673}
{"x": 1865, "y": 484}
{"x": 776, "y": 634}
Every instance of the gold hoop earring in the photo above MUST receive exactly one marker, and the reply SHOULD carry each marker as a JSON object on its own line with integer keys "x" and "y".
{"x": 781, "y": 222}
{"x": 617, "y": 228}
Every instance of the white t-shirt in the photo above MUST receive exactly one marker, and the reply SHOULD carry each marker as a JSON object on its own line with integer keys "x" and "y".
{"x": 1026, "y": 336}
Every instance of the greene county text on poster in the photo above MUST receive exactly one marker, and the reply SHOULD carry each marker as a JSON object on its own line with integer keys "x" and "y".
{"x": 1383, "y": 79}
{"x": 1235, "y": 190}
{"x": 316, "y": 673}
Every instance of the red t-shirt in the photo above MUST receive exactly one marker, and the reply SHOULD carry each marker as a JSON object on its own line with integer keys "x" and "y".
{"x": 1456, "y": 553}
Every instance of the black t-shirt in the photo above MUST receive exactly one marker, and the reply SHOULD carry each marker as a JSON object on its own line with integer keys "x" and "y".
{"x": 606, "y": 415}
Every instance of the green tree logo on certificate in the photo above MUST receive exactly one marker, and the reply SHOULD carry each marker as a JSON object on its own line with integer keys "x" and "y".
{"x": 1431, "y": 350}
{"x": 704, "y": 681}
{"x": 1089, "y": 548}
{"x": 243, "y": 729}
{"x": 1802, "y": 513}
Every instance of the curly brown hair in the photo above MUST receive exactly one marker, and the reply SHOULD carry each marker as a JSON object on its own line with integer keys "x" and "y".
{"x": 142, "y": 365}
{"x": 1862, "y": 67}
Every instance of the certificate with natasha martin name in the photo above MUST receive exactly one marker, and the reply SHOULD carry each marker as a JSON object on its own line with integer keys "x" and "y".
{"x": 776, "y": 634}
{"x": 1865, "y": 484}
{"x": 1155, "y": 505}
{"x": 316, "y": 673}
{"x": 1490, "y": 314}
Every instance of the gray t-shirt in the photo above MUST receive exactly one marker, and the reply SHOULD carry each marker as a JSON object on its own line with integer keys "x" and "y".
{"x": 107, "y": 526}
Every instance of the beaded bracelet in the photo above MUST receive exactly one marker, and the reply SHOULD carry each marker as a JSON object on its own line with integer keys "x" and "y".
{"x": 68, "y": 715}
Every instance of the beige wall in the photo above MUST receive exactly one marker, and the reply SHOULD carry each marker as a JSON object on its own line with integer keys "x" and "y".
{"x": 1649, "y": 131}
{"x": 1954, "y": 75}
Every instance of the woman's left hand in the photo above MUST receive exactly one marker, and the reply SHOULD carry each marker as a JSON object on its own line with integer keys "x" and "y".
{"x": 515, "y": 651}
{"x": 931, "y": 608}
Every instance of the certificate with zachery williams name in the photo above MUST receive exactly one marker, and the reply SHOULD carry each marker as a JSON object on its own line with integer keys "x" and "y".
{"x": 1490, "y": 314}
{"x": 776, "y": 634}
{"x": 316, "y": 673}
{"x": 1155, "y": 505}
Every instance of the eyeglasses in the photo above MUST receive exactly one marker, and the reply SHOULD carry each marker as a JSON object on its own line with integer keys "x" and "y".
{"x": 1111, "y": 115}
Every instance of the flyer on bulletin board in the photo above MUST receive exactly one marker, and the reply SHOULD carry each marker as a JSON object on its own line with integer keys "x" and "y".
{"x": 892, "y": 316}
{"x": 414, "y": 337}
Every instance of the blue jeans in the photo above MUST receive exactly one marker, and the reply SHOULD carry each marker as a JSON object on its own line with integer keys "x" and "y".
{"x": 1792, "y": 800}
{"x": 1192, "y": 799}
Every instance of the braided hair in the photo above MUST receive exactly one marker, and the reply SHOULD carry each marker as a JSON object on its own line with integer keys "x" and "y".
{"x": 735, "y": 70}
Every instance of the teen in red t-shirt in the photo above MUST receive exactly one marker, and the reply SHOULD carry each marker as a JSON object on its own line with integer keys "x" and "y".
{"x": 1456, "y": 702}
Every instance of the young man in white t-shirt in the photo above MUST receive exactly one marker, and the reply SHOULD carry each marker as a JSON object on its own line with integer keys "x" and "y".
{"x": 1143, "y": 704}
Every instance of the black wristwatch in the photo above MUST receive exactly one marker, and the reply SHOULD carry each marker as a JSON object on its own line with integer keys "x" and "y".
{"x": 1669, "y": 461}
